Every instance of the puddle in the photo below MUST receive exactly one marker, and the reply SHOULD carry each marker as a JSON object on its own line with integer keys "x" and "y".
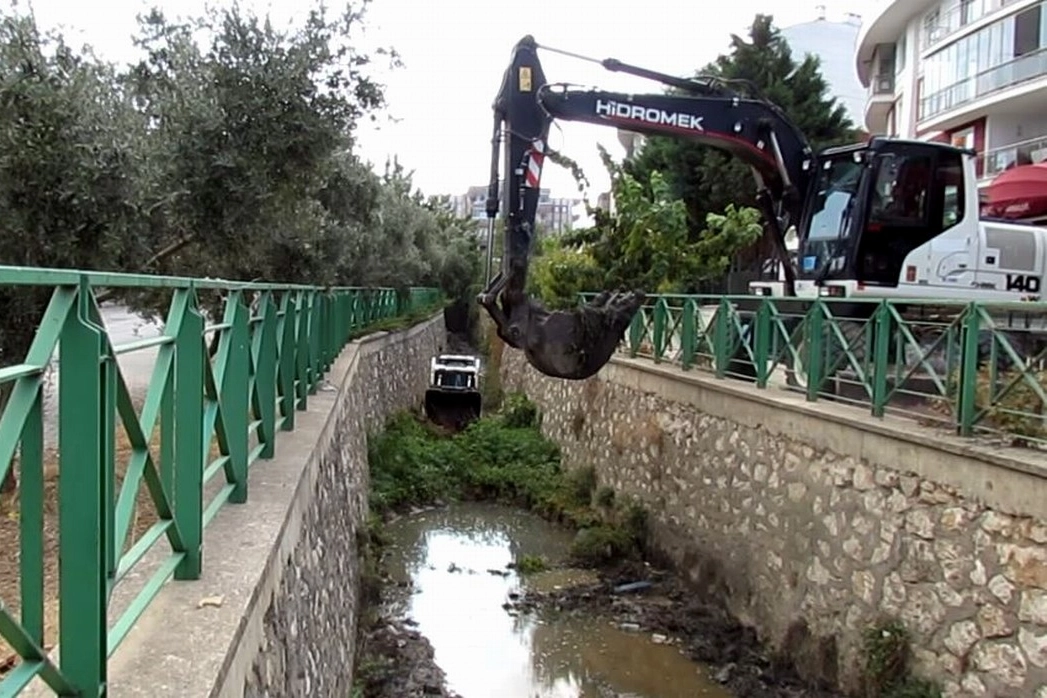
{"x": 456, "y": 562}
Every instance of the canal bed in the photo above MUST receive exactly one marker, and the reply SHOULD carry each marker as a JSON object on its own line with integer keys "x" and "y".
{"x": 452, "y": 579}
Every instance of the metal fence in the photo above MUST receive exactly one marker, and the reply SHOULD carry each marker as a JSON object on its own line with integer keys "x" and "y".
{"x": 976, "y": 369}
{"x": 219, "y": 394}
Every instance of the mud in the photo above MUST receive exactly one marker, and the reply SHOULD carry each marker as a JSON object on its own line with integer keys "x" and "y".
{"x": 601, "y": 633}
{"x": 663, "y": 608}
{"x": 397, "y": 662}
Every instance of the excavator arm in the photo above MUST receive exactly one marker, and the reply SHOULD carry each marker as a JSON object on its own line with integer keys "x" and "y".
{"x": 576, "y": 344}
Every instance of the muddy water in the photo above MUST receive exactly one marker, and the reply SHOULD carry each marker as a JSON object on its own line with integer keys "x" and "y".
{"x": 452, "y": 563}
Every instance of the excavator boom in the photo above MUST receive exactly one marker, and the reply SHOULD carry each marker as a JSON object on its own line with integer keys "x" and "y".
{"x": 576, "y": 344}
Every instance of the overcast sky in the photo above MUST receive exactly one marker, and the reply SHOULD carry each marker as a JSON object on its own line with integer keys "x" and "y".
{"x": 454, "y": 54}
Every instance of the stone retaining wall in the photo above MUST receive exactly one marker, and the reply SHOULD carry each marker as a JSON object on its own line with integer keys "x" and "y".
{"x": 811, "y": 521}
{"x": 275, "y": 611}
{"x": 310, "y": 623}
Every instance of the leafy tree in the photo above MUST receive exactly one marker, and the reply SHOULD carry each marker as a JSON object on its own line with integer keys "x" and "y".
{"x": 249, "y": 135}
{"x": 67, "y": 173}
{"x": 707, "y": 180}
{"x": 645, "y": 244}
{"x": 227, "y": 151}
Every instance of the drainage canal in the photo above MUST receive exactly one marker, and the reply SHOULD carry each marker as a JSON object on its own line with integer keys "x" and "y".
{"x": 491, "y": 571}
{"x": 454, "y": 575}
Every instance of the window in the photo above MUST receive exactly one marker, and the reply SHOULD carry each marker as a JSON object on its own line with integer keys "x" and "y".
{"x": 1027, "y": 31}
{"x": 967, "y": 12}
{"x": 983, "y": 62}
{"x": 832, "y": 208}
{"x": 900, "y": 195}
{"x": 963, "y": 138}
{"x": 949, "y": 181}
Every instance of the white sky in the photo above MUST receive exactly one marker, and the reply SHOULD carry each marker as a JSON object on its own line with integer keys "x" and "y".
{"x": 454, "y": 54}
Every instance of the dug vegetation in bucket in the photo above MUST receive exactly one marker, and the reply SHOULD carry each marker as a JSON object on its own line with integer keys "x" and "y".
{"x": 504, "y": 458}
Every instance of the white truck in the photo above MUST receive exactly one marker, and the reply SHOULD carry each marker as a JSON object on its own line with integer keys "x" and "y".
{"x": 453, "y": 398}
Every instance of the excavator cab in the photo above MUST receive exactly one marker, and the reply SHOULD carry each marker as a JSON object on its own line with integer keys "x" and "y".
{"x": 872, "y": 205}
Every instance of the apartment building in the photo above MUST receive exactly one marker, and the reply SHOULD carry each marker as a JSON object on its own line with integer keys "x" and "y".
{"x": 968, "y": 72}
{"x": 554, "y": 216}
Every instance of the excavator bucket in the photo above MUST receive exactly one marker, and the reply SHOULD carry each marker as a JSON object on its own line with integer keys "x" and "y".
{"x": 572, "y": 344}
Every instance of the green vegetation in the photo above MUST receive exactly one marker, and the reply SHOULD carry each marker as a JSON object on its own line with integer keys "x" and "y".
{"x": 685, "y": 213}
{"x": 501, "y": 458}
{"x": 887, "y": 664}
{"x": 709, "y": 181}
{"x": 529, "y": 564}
{"x": 646, "y": 243}
{"x": 226, "y": 149}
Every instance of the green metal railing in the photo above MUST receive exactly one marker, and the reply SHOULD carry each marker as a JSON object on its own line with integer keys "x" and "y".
{"x": 204, "y": 420}
{"x": 975, "y": 368}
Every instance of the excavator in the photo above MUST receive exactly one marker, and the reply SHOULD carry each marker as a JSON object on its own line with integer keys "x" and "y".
{"x": 888, "y": 218}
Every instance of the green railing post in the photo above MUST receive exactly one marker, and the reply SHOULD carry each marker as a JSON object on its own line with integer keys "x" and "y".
{"x": 266, "y": 370}
{"x": 661, "y": 312}
{"x": 968, "y": 388}
{"x": 762, "y": 342}
{"x": 316, "y": 330}
{"x": 636, "y": 328}
{"x": 881, "y": 358}
{"x": 687, "y": 334}
{"x": 234, "y": 355}
{"x": 31, "y": 519}
{"x": 287, "y": 362}
{"x": 189, "y": 440}
{"x": 721, "y": 330}
{"x": 302, "y": 317}
{"x": 815, "y": 347}
{"x": 107, "y": 453}
{"x": 81, "y": 547}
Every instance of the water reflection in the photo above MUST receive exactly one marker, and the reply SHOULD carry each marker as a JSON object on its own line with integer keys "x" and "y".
{"x": 456, "y": 559}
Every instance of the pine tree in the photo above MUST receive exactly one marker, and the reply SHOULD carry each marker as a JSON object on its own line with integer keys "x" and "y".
{"x": 708, "y": 180}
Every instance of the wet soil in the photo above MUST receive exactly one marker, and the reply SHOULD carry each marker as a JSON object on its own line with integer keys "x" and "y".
{"x": 632, "y": 632}
{"x": 398, "y": 662}
{"x": 641, "y": 599}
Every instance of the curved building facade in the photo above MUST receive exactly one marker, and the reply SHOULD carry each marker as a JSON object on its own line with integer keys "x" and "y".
{"x": 969, "y": 72}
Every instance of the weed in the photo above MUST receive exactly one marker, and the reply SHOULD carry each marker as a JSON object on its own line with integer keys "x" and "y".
{"x": 504, "y": 458}
{"x": 529, "y": 564}
{"x": 605, "y": 497}
{"x": 600, "y": 545}
{"x": 519, "y": 412}
{"x": 886, "y": 670}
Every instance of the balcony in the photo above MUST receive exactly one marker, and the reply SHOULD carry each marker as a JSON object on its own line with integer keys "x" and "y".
{"x": 956, "y": 18}
{"x": 1027, "y": 152}
{"x": 880, "y": 102}
{"x": 1014, "y": 72}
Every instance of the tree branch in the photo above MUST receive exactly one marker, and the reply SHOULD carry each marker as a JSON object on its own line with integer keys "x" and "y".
{"x": 159, "y": 256}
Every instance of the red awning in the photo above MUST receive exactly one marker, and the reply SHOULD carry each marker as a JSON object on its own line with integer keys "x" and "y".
{"x": 1020, "y": 192}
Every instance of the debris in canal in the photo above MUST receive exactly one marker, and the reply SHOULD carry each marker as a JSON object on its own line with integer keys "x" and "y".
{"x": 503, "y": 458}
{"x": 669, "y": 613}
{"x": 398, "y": 663}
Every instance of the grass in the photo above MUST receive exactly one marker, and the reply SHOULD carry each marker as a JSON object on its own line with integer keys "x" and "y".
{"x": 886, "y": 669}
{"x": 503, "y": 458}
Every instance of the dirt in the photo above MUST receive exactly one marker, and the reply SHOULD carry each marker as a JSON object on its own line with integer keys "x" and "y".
{"x": 662, "y": 605}
{"x": 10, "y": 572}
{"x": 397, "y": 662}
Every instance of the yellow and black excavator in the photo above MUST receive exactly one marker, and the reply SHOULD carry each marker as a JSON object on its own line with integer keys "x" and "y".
{"x": 885, "y": 218}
